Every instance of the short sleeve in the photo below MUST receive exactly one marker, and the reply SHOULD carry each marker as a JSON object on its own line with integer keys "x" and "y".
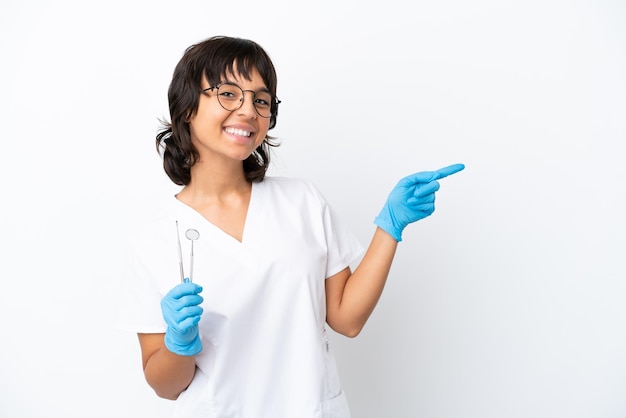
{"x": 342, "y": 246}
{"x": 139, "y": 302}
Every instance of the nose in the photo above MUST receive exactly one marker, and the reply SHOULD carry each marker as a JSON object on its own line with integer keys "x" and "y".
{"x": 247, "y": 106}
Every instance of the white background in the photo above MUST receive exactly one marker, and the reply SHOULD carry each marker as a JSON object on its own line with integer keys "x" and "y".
{"x": 507, "y": 302}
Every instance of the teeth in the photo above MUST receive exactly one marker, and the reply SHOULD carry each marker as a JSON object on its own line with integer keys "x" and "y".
{"x": 239, "y": 132}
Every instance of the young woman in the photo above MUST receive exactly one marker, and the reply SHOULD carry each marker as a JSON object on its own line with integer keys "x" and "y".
{"x": 233, "y": 283}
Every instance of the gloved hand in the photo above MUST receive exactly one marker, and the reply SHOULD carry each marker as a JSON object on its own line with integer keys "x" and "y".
{"x": 412, "y": 199}
{"x": 181, "y": 311}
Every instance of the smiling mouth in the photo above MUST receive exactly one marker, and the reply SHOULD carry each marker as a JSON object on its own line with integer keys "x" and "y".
{"x": 239, "y": 132}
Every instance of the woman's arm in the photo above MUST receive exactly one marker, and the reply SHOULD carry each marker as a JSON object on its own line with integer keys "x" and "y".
{"x": 169, "y": 358}
{"x": 351, "y": 297}
{"x": 167, "y": 373}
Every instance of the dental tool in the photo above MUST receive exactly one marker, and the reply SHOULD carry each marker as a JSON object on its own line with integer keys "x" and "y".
{"x": 191, "y": 235}
{"x": 180, "y": 256}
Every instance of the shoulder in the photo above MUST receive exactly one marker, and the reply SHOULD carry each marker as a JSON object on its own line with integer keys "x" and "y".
{"x": 295, "y": 184}
{"x": 295, "y": 190}
{"x": 292, "y": 187}
{"x": 156, "y": 225}
{"x": 290, "y": 182}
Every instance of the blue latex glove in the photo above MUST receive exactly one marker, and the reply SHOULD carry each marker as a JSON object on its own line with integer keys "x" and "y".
{"x": 182, "y": 312}
{"x": 412, "y": 199}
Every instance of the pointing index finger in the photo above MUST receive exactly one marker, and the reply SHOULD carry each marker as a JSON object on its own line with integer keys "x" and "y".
{"x": 449, "y": 170}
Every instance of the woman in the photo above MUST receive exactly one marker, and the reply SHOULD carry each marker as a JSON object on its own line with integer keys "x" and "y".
{"x": 234, "y": 282}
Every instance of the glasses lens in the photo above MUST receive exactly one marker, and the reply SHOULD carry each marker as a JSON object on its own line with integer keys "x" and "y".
{"x": 230, "y": 96}
{"x": 263, "y": 103}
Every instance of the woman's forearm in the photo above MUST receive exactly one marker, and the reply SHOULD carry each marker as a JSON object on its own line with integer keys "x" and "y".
{"x": 167, "y": 373}
{"x": 355, "y": 298}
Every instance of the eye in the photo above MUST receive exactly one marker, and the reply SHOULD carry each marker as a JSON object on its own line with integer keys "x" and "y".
{"x": 229, "y": 92}
{"x": 262, "y": 99}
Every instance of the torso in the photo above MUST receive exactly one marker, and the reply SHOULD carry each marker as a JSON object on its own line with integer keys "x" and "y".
{"x": 263, "y": 322}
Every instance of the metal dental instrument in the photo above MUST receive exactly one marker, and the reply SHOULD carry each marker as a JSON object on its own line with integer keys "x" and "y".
{"x": 191, "y": 235}
{"x": 180, "y": 256}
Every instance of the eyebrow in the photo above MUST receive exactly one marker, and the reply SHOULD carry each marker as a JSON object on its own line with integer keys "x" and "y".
{"x": 265, "y": 89}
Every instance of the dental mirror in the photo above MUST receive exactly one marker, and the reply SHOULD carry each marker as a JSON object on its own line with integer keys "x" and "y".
{"x": 191, "y": 235}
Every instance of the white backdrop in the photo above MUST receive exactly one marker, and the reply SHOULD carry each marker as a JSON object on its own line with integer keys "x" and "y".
{"x": 507, "y": 302}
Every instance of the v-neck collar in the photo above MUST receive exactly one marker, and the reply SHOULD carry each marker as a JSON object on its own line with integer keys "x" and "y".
{"x": 195, "y": 217}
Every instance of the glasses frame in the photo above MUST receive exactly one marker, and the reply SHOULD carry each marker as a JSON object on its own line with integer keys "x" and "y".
{"x": 274, "y": 99}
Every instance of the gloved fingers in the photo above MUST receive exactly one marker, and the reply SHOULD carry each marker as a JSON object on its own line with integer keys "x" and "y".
{"x": 186, "y": 323}
{"x": 189, "y": 323}
{"x": 185, "y": 318}
{"x": 186, "y": 302}
{"x": 417, "y": 204}
{"x": 418, "y": 200}
{"x": 175, "y": 305}
{"x": 428, "y": 176}
{"x": 426, "y": 208}
{"x": 176, "y": 311}
{"x": 189, "y": 300}
{"x": 423, "y": 190}
{"x": 449, "y": 170}
{"x": 417, "y": 178}
{"x": 189, "y": 311}
{"x": 184, "y": 289}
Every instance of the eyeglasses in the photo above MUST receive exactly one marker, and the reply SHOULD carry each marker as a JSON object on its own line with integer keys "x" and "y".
{"x": 230, "y": 97}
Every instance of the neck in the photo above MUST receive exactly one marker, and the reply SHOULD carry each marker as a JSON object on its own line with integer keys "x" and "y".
{"x": 216, "y": 181}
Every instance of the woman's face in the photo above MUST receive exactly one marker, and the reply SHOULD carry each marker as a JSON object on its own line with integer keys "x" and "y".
{"x": 224, "y": 134}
